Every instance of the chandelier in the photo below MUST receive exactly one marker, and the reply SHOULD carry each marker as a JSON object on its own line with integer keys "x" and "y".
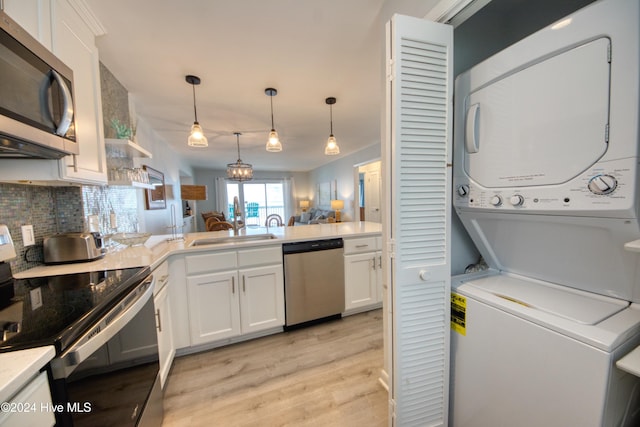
{"x": 239, "y": 171}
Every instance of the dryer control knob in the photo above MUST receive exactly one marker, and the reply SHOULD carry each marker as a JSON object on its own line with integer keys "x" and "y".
{"x": 603, "y": 184}
{"x": 463, "y": 190}
{"x": 516, "y": 200}
{"x": 496, "y": 200}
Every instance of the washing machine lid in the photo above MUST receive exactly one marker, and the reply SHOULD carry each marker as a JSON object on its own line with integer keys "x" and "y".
{"x": 559, "y": 301}
{"x": 542, "y": 124}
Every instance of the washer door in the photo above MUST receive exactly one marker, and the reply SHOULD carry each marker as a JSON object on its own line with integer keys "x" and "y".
{"x": 542, "y": 124}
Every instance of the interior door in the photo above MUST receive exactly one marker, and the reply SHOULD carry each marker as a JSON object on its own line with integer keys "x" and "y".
{"x": 417, "y": 181}
{"x": 372, "y": 195}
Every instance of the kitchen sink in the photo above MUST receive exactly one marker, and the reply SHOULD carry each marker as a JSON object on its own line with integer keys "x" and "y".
{"x": 232, "y": 239}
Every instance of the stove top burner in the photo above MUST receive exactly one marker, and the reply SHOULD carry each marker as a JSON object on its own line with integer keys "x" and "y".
{"x": 55, "y": 310}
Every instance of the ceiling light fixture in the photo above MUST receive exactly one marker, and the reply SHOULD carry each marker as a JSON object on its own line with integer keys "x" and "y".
{"x": 273, "y": 145}
{"x": 331, "y": 149}
{"x": 239, "y": 171}
{"x": 196, "y": 137}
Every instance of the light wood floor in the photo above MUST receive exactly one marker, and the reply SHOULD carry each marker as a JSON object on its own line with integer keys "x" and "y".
{"x": 324, "y": 375}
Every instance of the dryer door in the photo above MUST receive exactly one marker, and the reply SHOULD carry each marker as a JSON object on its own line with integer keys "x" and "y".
{"x": 542, "y": 124}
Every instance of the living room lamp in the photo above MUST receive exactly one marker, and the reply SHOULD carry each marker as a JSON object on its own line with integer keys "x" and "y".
{"x": 331, "y": 149}
{"x": 196, "y": 137}
{"x": 304, "y": 205}
{"x": 239, "y": 171}
{"x": 337, "y": 205}
{"x": 273, "y": 144}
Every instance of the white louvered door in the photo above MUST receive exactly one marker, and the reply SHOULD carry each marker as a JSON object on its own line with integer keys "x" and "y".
{"x": 417, "y": 181}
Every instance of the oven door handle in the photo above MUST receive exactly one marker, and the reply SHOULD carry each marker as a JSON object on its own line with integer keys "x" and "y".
{"x": 103, "y": 330}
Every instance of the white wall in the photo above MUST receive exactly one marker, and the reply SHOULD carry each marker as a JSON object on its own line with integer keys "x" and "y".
{"x": 170, "y": 163}
{"x": 341, "y": 171}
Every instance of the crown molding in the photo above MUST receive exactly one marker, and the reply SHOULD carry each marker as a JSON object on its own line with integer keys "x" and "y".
{"x": 87, "y": 15}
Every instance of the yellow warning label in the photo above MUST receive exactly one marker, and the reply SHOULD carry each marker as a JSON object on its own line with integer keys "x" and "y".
{"x": 459, "y": 313}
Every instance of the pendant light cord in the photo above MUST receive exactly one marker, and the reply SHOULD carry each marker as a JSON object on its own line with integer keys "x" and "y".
{"x": 271, "y": 99}
{"x": 195, "y": 112}
{"x": 331, "y": 117}
{"x": 238, "y": 143}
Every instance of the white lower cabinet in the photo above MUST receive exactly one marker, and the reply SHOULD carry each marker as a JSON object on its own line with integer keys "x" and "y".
{"x": 28, "y": 404}
{"x": 362, "y": 273}
{"x": 214, "y": 308}
{"x": 233, "y": 293}
{"x": 262, "y": 298}
{"x": 161, "y": 302}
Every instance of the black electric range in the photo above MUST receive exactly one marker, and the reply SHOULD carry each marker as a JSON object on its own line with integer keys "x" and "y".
{"x": 57, "y": 310}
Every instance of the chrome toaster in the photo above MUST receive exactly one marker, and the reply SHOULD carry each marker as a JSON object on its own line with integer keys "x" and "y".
{"x": 72, "y": 247}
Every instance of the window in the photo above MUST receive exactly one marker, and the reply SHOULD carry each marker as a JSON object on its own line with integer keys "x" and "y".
{"x": 257, "y": 200}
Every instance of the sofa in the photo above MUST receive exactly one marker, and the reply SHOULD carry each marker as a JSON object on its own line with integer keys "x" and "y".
{"x": 314, "y": 216}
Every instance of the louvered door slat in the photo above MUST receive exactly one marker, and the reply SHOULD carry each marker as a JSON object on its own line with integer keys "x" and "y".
{"x": 417, "y": 153}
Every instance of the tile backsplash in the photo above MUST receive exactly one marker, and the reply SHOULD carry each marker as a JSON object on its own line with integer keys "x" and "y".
{"x": 54, "y": 210}
{"x": 49, "y": 209}
{"x": 102, "y": 201}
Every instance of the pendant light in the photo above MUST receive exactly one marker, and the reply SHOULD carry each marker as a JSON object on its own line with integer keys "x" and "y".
{"x": 331, "y": 149}
{"x": 273, "y": 144}
{"x": 239, "y": 171}
{"x": 196, "y": 137}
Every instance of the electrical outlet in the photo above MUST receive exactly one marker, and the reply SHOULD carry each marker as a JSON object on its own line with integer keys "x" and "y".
{"x": 28, "y": 237}
{"x": 94, "y": 223}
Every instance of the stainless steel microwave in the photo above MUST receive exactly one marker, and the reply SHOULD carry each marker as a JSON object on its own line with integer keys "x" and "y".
{"x": 36, "y": 98}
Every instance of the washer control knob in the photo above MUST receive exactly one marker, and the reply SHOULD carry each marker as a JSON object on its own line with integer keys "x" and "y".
{"x": 463, "y": 190}
{"x": 496, "y": 200}
{"x": 516, "y": 200}
{"x": 603, "y": 184}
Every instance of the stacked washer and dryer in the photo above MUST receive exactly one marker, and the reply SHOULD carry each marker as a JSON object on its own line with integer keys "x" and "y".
{"x": 546, "y": 183}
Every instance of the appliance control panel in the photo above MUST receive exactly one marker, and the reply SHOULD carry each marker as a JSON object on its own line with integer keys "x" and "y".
{"x": 606, "y": 188}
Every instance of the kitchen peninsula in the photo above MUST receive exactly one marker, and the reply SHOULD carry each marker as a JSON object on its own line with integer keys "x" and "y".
{"x": 159, "y": 247}
{"x": 216, "y": 288}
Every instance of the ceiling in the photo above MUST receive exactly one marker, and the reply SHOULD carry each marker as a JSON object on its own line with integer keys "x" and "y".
{"x": 308, "y": 50}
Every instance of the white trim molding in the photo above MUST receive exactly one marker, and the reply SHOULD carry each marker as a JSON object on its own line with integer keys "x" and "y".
{"x": 87, "y": 15}
{"x": 455, "y": 12}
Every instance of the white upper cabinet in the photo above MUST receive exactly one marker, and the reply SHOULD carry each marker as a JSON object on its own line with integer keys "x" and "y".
{"x": 74, "y": 44}
{"x": 60, "y": 28}
{"x": 33, "y": 16}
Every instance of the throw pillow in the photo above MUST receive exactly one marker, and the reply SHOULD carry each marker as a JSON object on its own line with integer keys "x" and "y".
{"x": 305, "y": 217}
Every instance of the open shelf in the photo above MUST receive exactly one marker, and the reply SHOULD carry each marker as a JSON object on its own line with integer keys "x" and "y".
{"x": 126, "y": 148}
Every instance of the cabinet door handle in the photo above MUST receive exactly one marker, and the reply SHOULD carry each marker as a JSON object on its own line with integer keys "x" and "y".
{"x": 233, "y": 284}
{"x": 362, "y": 246}
{"x": 374, "y": 262}
{"x": 159, "y": 321}
{"x": 380, "y": 262}
{"x": 244, "y": 287}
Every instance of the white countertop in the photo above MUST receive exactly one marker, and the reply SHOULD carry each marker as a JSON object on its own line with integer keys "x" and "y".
{"x": 18, "y": 367}
{"x": 158, "y": 248}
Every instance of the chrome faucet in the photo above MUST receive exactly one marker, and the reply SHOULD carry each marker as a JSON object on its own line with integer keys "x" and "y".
{"x": 236, "y": 214}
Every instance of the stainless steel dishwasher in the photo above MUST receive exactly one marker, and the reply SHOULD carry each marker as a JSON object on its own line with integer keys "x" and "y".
{"x": 313, "y": 280}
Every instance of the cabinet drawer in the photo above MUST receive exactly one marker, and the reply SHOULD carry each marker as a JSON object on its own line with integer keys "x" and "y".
{"x": 208, "y": 262}
{"x": 361, "y": 244}
{"x": 161, "y": 275}
{"x": 260, "y": 256}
